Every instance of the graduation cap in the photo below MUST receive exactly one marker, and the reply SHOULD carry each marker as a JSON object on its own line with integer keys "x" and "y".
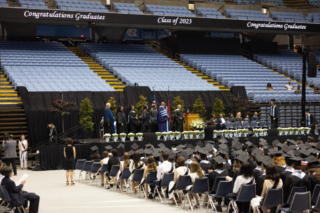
{"x": 222, "y": 140}
{"x": 189, "y": 151}
{"x": 285, "y": 148}
{"x": 161, "y": 145}
{"x": 292, "y": 141}
{"x": 266, "y": 147}
{"x": 262, "y": 143}
{"x": 223, "y": 146}
{"x": 280, "y": 145}
{"x": 219, "y": 160}
{"x": 291, "y": 152}
{"x": 203, "y": 152}
{"x": 312, "y": 162}
{"x": 266, "y": 160}
{"x": 109, "y": 148}
{"x": 256, "y": 152}
{"x": 310, "y": 137}
{"x": 120, "y": 145}
{"x": 148, "y": 151}
{"x": 318, "y": 146}
{"x": 120, "y": 151}
{"x": 275, "y": 153}
{"x": 184, "y": 154}
{"x": 275, "y": 142}
{"x": 199, "y": 143}
{"x": 211, "y": 142}
{"x": 305, "y": 146}
{"x": 209, "y": 148}
{"x": 235, "y": 139}
{"x": 156, "y": 154}
{"x": 305, "y": 153}
{"x": 319, "y": 138}
{"x": 240, "y": 152}
{"x": 313, "y": 151}
{"x": 181, "y": 146}
{"x": 141, "y": 151}
{"x": 296, "y": 161}
{"x": 259, "y": 158}
{"x": 237, "y": 145}
{"x": 313, "y": 144}
{"x": 189, "y": 145}
{"x": 248, "y": 143}
{"x": 243, "y": 158}
{"x": 171, "y": 154}
{"x": 94, "y": 148}
{"x": 262, "y": 140}
{"x": 130, "y": 152}
{"x": 148, "y": 145}
{"x": 134, "y": 146}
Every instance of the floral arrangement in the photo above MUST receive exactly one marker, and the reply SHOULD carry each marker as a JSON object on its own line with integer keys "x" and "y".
{"x": 171, "y": 133}
{"x": 123, "y": 134}
{"x": 185, "y": 134}
{"x": 165, "y": 135}
{"x": 158, "y": 134}
{"x": 256, "y": 132}
{"x": 197, "y": 124}
{"x": 139, "y": 136}
{"x": 131, "y": 136}
{"x": 202, "y": 133}
{"x": 190, "y": 133}
{"x": 196, "y": 133}
{"x": 280, "y": 130}
{"x": 215, "y": 133}
{"x": 177, "y": 134}
{"x": 107, "y": 135}
{"x": 115, "y": 135}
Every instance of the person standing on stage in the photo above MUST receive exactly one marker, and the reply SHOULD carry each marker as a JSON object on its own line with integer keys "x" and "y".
{"x": 10, "y": 153}
{"x": 144, "y": 119}
{"x": 108, "y": 119}
{"x": 310, "y": 121}
{"x": 69, "y": 153}
{"x": 101, "y": 129}
{"x": 133, "y": 120}
{"x": 23, "y": 146}
{"x": 52, "y": 133}
{"x": 121, "y": 121}
{"x": 162, "y": 118}
{"x": 273, "y": 115}
{"x": 178, "y": 119}
{"x": 153, "y": 118}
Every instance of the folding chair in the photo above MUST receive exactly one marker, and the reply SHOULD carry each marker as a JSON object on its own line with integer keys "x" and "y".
{"x": 273, "y": 198}
{"x": 301, "y": 202}
{"x": 7, "y": 198}
{"x": 317, "y": 205}
{"x": 293, "y": 191}
{"x": 182, "y": 183}
{"x": 167, "y": 178}
{"x": 237, "y": 125}
{"x": 79, "y": 166}
{"x": 137, "y": 177}
{"x": 254, "y": 124}
{"x": 245, "y": 194}
{"x": 200, "y": 186}
{"x": 315, "y": 194}
{"x": 263, "y": 124}
{"x": 94, "y": 169}
{"x": 125, "y": 176}
{"x": 246, "y": 124}
{"x": 87, "y": 167}
{"x": 229, "y": 125}
{"x": 149, "y": 181}
{"x": 222, "y": 188}
{"x": 3, "y": 198}
{"x": 113, "y": 172}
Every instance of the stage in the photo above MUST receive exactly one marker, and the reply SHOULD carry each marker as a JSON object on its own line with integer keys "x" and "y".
{"x": 51, "y": 156}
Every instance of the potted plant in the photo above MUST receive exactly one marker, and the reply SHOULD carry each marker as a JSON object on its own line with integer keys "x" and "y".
{"x": 296, "y": 131}
{"x": 123, "y": 136}
{"x": 231, "y": 131}
{"x": 185, "y": 134}
{"x": 139, "y": 136}
{"x": 286, "y": 131}
{"x": 265, "y": 132}
{"x": 177, "y": 134}
{"x": 171, "y": 135}
{"x": 261, "y": 132}
{"x": 291, "y": 130}
{"x": 256, "y": 132}
{"x": 202, "y": 133}
{"x": 226, "y": 133}
{"x": 307, "y": 129}
{"x": 245, "y": 132}
{"x": 165, "y": 135}
{"x": 215, "y": 133}
{"x": 115, "y": 137}
{"x": 131, "y": 136}
{"x": 190, "y": 134}
{"x": 107, "y": 137}
{"x": 280, "y": 130}
{"x": 197, "y": 134}
{"x": 158, "y": 134}
{"x": 302, "y": 130}
{"x": 236, "y": 133}
{"x": 86, "y": 113}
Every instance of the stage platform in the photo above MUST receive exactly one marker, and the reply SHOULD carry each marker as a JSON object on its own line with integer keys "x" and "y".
{"x": 51, "y": 156}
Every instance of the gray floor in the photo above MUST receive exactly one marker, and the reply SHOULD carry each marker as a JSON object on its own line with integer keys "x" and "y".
{"x": 81, "y": 198}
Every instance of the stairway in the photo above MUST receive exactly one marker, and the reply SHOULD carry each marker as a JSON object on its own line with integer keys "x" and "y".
{"x": 297, "y": 4}
{"x": 8, "y": 95}
{"x": 197, "y": 73}
{"x": 97, "y": 68}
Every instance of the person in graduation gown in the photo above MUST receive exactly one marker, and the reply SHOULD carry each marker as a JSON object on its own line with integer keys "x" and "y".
{"x": 204, "y": 163}
{"x": 133, "y": 120}
{"x": 288, "y": 171}
{"x": 178, "y": 119}
{"x": 313, "y": 174}
{"x": 279, "y": 162}
{"x": 295, "y": 179}
{"x": 162, "y": 118}
{"x": 121, "y": 121}
{"x": 144, "y": 120}
{"x": 186, "y": 112}
{"x": 108, "y": 120}
{"x": 153, "y": 118}
{"x": 258, "y": 168}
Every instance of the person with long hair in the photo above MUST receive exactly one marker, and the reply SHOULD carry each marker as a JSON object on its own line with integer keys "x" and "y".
{"x": 269, "y": 87}
{"x": 123, "y": 164}
{"x": 195, "y": 172}
{"x": 180, "y": 170}
{"x": 272, "y": 181}
{"x": 186, "y": 112}
{"x": 135, "y": 164}
{"x": 52, "y": 133}
{"x": 23, "y": 147}
{"x": 104, "y": 161}
{"x": 101, "y": 129}
{"x": 70, "y": 155}
{"x": 279, "y": 162}
{"x": 121, "y": 121}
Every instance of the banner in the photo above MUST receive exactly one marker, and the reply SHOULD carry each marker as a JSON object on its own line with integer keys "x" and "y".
{"x": 162, "y": 34}
{"x": 132, "y": 34}
{"x": 148, "y": 34}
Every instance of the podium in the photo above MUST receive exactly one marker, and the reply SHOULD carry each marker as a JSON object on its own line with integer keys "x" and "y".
{"x": 187, "y": 121}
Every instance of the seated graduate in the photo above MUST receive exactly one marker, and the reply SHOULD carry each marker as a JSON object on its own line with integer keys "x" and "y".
{"x": 313, "y": 173}
{"x": 235, "y": 169}
{"x": 19, "y": 197}
{"x": 195, "y": 172}
{"x": 219, "y": 170}
{"x": 181, "y": 169}
{"x": 113, "y": 160}
{"x": 135, "y": 164}
{"x": 255, "y": 117}
{"x": 204, "y": 163}
{"x": 104, "y": 161}
{"x": 231, "y": 118}
{"x": 272, "y": 181}
{"x": 295, "y": 179}
{"x": 123, "y": 164}
{"x": 246, "y": 177}
{"x": 150, "y": 167}
{"x": 266, "y": 161}
{"x": 257, "y": 170}
{"x": 224, "y": 154}
{"x": 289, "y": 169}
{"x": 279, "y": 161}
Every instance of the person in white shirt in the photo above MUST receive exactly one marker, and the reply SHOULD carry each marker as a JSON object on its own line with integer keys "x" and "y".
{"x": 23, "y": 146}
{"x": 125, "y": 163}
{"x": 104, "y": 161}
{"x": 221, "y": 122}
{"x": 195, "y": 172}
{"x": 289, "y": 86}
{"x": 135, "y": 164}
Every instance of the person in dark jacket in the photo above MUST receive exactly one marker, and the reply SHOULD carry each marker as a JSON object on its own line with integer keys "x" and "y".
{"x": 144, "y": 119}
{"x": 133, "y": 120}
{"x": 178, "y": 118}
{"x": 208, "y": 132}
{"x": 19, "y": 197}
{"x": 121, "y": 121}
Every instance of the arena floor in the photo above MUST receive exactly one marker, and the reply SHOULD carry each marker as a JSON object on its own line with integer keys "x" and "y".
{"x": 55, "y": 196}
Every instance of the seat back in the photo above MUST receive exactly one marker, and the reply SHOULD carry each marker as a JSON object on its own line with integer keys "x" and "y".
{"x": 273, "y": 198}
{"x": 95, "y": 167}
{"x": 263, "y": 124}
{"x": 138, "y": 174}
{"x": 315, "y": 194}
{"x": 183, "y": 182}
{"x": 317, "y": 204}
{"x": 293, "y": 191}
{"x": 126, "y": 174}
{"x": 216, "y": 182}
{"x": 224, "y": 188}
{"x": 5, "y": 193}
{"x": 80, "y": 164}
{"x": 301, "y": 202}
{"x": 229, "y": 125}
{"x": 167, "y": 178}
{"x": 87, "y": 166}
{"x": 104, "y": 168}
{"x": 254, "y": 124}
{"x": 237, "y": 124}
{"x": 96, "y": 160}
{"x": 151, "y": 177}
{"x": 246, "y": 193}
{"x": 200, "y": 185}
{"x": 2, "y": 193}
{"x": 245, "y": 124}
{"x": 114, "y": 170}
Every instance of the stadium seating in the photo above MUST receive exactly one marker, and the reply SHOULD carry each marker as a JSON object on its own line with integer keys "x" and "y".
{"x": 81, "y": 5}
{"x": 32, "y": 4}
{"x": 169, "y": 10}
{"x": 290, "y": 17}
{"x": 143, "y": 66}
{"x": 247, "y": 15}
{"x": 314, "y": 3}
{"x": 314, "y": 16}
{"x": 126, "y": 8}
{"x": 278, "y": 2}
{"x": 3, "y": 3}
{"x": 209, "y": 12}
{"x": 42, "y": 66}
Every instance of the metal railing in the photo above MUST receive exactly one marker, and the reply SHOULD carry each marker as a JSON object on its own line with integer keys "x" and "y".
{"x": 177, "y": 56}
{"x": 246, "y": 53}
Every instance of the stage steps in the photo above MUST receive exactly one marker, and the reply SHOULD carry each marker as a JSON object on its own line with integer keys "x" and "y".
{"x": 8, "y": 95}
{"x": 97, "y": 68}
{"x": 197, "y": 73}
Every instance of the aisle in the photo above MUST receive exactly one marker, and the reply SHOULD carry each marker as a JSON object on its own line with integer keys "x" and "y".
{"x": 82, "y": 198}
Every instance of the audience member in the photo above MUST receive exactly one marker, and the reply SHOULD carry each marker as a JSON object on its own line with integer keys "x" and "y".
{"x": 10, "y": 152}
{"x": 238, "y": 117}
{"x": 289, "y": 86}
{"x": 204, "y": 163}
{"x": 186, "y": 112}
{"x": 104, "y": 161}
{"x": 269, "y": 87}
{"x": 255, "y": 117}
{"x": 221, "y": 122}
{"x": 150, "y": 167}
{"x": 195, "y": 172}
{"x": 230, "y": 118}
{"x": 135, "y": 164}
{"x": 279, "y": 162}
{"x": 69, "y": 153}
{"x": 114, "y": 160}
{"x": 297, "y": 90}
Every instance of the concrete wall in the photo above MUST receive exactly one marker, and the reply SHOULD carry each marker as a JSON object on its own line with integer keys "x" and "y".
{"x": 312, "y": 41}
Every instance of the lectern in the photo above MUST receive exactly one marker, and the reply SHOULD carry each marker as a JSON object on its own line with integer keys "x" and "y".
{"x": 188, "y": 120}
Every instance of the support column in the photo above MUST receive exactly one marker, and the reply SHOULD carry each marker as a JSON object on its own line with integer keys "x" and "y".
{"x": 290, "y": 42}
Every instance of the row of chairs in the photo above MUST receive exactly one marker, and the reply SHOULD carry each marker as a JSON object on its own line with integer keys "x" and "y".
{"x": 246, "y": 124}
{"x": 6, "y": 200}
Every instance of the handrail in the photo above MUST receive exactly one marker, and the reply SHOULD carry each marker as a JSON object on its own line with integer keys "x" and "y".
{"x": 168, "y": 50}
{"x": 220, "y": 8}
{"x": 246, "y": 53}
{"x": 177, "y": 56}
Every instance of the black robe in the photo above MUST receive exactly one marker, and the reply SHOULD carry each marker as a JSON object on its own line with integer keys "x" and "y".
{"x": 107, "y": 122}
{"x": 133, "y": 122}
{"x": 284, "y": 175}
{"x": 205, "y": 166}
{"x": 144, "y": 122}
{"x": 153, "y": 120}
{"x": 259, "y": 184}
{"x": 256, "y": 173}
{"x": 178, "y": 119}
{"x": 213, "y": 176}
{"x": 228, "y": 167}
{"x": 291, "y": 181}
{"x": 280, "y": 169}
{"x": 121, "y": 119}
{"x": 235, "y": 173}
{"x": 310, "y": 182}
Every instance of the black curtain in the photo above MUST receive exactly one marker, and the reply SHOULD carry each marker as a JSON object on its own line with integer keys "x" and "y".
{"x": 239, "y": 91}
